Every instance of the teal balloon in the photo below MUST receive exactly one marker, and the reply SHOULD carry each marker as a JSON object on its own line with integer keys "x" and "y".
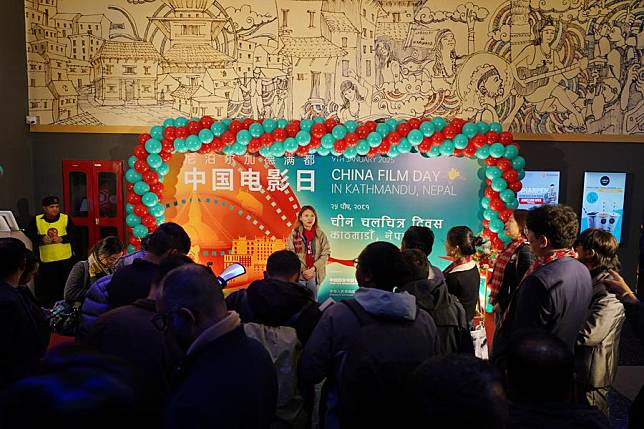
{"x": 507, "y": 195}
{"x": 277, "y": 149}
{"x": 153, "y": 146}
{"x": 496, "y": 225}
{"x": 129, "y": 208}
{"x": 318, "y": 119}
{"x": 150, "y": 199}
{"x": 518, "y": 163}
{"x": 226, "y": 122}
{"x": 447, "y": 147}
{"x": 505, "y": 238}
{"x": 130, "y": 249}
{"x": 483, "y": 127}
{"x": 483, "y": 152}
{"x": 511, "y": 152}
{"x": 327, "y": 141}
{"x": 244, "y": 137}
{"x": 157, "y": 132}
{"x": 181, "y": 121}
{"x": 160, "y": 220}
{"x": 480, "y": 173}
{"x": 492, "y": 172}
{"x": 434, "y": 152}
{"x": 485, "y": 202}
{"x": 193, "y": 143}
{"x": 513, "y": 204}
{"x": 282, "y": 123}
{"x": 140, "y": 231}
{"x": 351, "y": 126}
{"x": 156, "y": 210}
{"x": 460, "y": 141}
{"x": 415, "y": 137}
{"x": 306, "y": 124}
{"x": 180, "y": 145}
{"x": 392, "y": 123}
{"x": 132, "y": 220}
{"x": 383, "y": 129}
{"x": 489, "y": 214}
{"x": 269, "y": 125}
{"x": 427, "y": 128}
{"x": 154, "y": 161}
{"x": 218, "y": 128}
{"x": 168, "y": 123}
{"x": 499, "y": 184}
{"x": 256, "y": 129}
{"x": 363, "y": 147}
{"x": 323, "y": 151}
{"x": 291, "y": 145}
{"x": 141, "y": 187}
{"x": 374, "y": 139}
{"x": 521, "y": 174}
{"x": 303, "y": 137}
{"x": 350, "y": 152}
{"x": 239, "y": 149}
{"x": 132, "y": 176}
{"x": 265, "y": 151}
{"x": 339, "y": 131}
{"x": 393, "y": 151}
{"x": 163, "y": 169}
{"x": 439, "y": 123}
{"x": 131, "y": 161}
{"x": 496, "y": 127}
{"x": 470, "y": 129}
{"x": 497, "y": 150}
{"x": 405, "y": 145}
{"x": 206, "y": 136}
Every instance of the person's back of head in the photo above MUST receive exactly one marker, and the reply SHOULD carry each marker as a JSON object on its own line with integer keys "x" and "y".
{"x": 12, "y": 259}
{"x": 418, "y": 237}
{"x": 457, "y": 391}
{"x": 557, "y": 223}
{"x": 193, "y": 299}
{"x": 418, "y": 264}
{"x": 168, "y": 238}
{"x": 381, "y": 266}
{"x": 598, "y": 249}
{"x": 540, "y": 368}
{"x": 462, "y": 238}
{"x": 31, "y": 267}
{"x": 283, "y": 265}
{"x": 168, "y": 264}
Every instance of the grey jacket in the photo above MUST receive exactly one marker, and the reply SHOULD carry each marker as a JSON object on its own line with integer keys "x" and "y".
{"x": 597, "y": 348}
{"x": 321, "y": 250}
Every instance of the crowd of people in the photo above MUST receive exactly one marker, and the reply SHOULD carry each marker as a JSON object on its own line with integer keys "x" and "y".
{"x": 159, "y": 340}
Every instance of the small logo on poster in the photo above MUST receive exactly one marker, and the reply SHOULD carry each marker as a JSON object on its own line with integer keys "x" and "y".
{"x": 605, "y": 180}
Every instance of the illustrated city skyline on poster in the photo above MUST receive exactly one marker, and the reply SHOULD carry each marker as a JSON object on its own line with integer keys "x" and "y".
{"x": 535, "y": 66}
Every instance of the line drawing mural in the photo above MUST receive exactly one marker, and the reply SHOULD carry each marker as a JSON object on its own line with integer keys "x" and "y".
{"x": 536, "y": 66}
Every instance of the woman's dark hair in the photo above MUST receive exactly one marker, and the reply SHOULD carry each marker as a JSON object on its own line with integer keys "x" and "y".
{"x": 558, "y": 223}
{"x": 168, "y": 236}
{"x": 298, "y": 223}
{"x": 107, "y": 246}
{"x": 385, "y": 265}
{"x": 31, "y": 261}
{"x": 521, "y": 218}
{"x": 605, "y": 246}
{"x": 463, "y": 238}
{"x": 537, "y": 29}
{"x": 12, "y": 256}
{"x": 169, "y": 263}
{"x": 283, "y": 263}
{"x": 419, "y": 237}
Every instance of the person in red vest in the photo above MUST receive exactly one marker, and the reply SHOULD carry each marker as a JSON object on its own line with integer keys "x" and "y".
{"x": 52, "y": 235}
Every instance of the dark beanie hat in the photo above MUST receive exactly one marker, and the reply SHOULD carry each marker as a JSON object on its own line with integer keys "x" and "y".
{"x": 47, "y": 201}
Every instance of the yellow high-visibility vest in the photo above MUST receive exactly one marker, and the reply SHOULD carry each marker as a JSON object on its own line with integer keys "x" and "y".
{"x": 57, "y": 251}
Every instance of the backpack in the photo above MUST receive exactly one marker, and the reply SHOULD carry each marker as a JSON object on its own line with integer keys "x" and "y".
{"x": 65, "y": 316}
{"x": 285, "y": 350}
{"x": 373, "y": 373}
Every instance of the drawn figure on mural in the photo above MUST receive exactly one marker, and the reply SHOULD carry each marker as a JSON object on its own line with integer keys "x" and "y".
{"x": 441, "y": 69}
{"x": 538, "y": 72}
{"x": 604, "y": 111}
{"x": 387, "y": 65}
{"x": 484, "y": 89}
{"x": 254, "y": 89}
{"x": 354, "y": 98}
{"x": 281, "y": 94}
{"x": 632, "y": 100}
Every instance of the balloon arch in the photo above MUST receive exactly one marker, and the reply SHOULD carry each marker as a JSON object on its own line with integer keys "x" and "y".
{"x": 501, "y": 165}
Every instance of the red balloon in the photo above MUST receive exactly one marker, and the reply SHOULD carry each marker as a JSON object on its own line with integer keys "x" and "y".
{"x": 247, "y": 122}
{"x": 150, "y": 177}
{"x": 157, "y": 188}
{"x": 425, "y": 146}
{"x": 302, "y": 151}
{"x": 458, "y": 153}
{"x": 505, "y": 214}
{"x": 497, "y": 243}
{"x": 255, "y": 145}
{"x": 394, "y": 137}
{"x": 194, "y": 127}
{"x": 135, "y": 241}
{"x": 315, "y": 143}
{"x": 130, "y": 187}
{"x": 181, "y": 132}
{"x": 329, "y": 124}
{"x": 479, "y": 140}
{"x": 148, "y": 220}
{"x": 168, "y": 132}
{"x": 511, "y": 176}
{"x": 362, "y": 131}
{"x": 384, "y": 147}
{"x": 217, "y": 144}
{"x": 403, "y": 129}
{"x": 235, "y": 126}
{"x": 133, "y": 198}
{"x": 166, "y": 156}
{"x": 371, "y": 126}
{"x": 490, "y": 161}
{"x": 140, "y": 152}
{"x": 228, "y": 138}
{"x": 167, "y": 145}
{"x": 504, "y": 164}
{"x": 318, "y": 130}
{"x": 206, "y": 121}
{"x": 437, "y": 138}
{"x": 496, "y": 204}
{"x": 292, "y": 129}
{"x": 141, "y": 166}
{"x": 340, "y": 145}
{"x": 450, "y": 132}
{"x": 486, "y": 223}
{"x": 470, "y": 151}
{"x": 488, "y": 182}
{"x": 140, "y": 210}
{"x": 351, "y": 139}
{"x": 143, "y": 138}
{"x": 457, "y": 124}
{"x": 279, "y": 135}
{"x": 489, "y": 192}
{"x": 492, "y": 137}
{"x": 505, "y": 138}
{"x": 205, "y": 148}
{"x": 266, "y": 139}
{"x": 414, "y": 123}
{"x": 515, "y": 186}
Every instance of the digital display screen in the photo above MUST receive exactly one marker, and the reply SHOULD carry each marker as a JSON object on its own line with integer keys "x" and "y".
{"x": 539, "y": 188}
{"x": 603, "y": 203}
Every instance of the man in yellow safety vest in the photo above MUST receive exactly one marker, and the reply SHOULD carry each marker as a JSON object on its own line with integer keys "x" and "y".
{"x": 52, "y": 236}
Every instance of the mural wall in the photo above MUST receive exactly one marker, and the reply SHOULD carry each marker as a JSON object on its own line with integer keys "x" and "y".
{"x": 537, "y": 66}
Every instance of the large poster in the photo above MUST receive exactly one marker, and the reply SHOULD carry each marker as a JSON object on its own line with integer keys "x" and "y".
{"x": 242, "y": 208}
{"x": 603, "y": 204}
{"x": 536, "y": 66}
